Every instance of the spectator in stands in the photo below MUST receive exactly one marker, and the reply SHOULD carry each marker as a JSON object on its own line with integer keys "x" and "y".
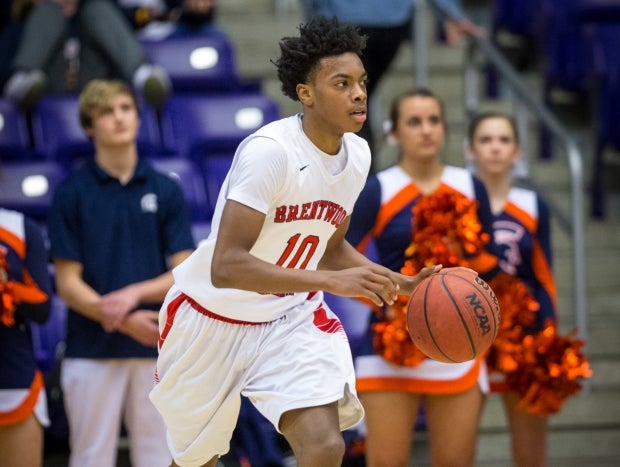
{"x": 67, "y": 43}
{"x": 387, "y": 25}
{"x": 13, "y": 14}
{"x": 160, "y": 19}
{"x": 25, "y": 289}
{"x": 116, "y": 227}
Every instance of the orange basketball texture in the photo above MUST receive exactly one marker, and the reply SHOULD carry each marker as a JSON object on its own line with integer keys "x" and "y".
{"x": 453, "y": 315}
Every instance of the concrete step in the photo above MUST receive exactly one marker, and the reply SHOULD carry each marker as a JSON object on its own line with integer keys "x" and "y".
{"x": 596, "y": 408}
{"x": 585, "y": 432}
{"x": 566, "y": 448}
{"x": 571, "y": 443}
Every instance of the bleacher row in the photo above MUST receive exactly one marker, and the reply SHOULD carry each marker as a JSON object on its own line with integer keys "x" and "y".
{"x": 192, "y": 138}
{"x": 578, "y": 44}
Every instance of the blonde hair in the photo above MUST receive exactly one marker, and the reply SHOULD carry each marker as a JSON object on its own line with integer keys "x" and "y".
{"x": 96, "y": 97}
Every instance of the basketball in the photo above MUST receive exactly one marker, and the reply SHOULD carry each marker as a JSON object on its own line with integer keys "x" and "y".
{"x": 453, "y": 315}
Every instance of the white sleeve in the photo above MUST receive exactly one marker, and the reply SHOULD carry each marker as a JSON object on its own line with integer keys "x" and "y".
{"x": 259, "y": 173}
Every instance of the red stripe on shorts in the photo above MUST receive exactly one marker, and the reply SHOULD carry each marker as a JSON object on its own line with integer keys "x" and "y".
{"x": 171, "y": 311}
{"x": 325, "y": 324}
{"x": 202, "y": 310}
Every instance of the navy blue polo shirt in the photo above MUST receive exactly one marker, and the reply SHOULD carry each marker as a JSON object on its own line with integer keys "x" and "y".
{"x": 121, "y": 234}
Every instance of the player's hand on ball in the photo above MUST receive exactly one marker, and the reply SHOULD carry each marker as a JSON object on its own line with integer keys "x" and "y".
{"x": 375, "y": 283}
{"x": 409, "y": 283}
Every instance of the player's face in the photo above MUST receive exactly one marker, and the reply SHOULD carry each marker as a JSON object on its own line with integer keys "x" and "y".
{"x": 117, "y": 125}
{"x": 494, "y": 147}
{"x": 419, "y": 130}
{"x": 335, "y": 99}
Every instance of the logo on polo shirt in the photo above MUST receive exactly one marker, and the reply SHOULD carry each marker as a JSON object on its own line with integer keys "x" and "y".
{"x": 149, "y": 203}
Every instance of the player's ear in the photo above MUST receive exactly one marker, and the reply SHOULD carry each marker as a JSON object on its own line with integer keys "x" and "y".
{"x": 304, "y": 92}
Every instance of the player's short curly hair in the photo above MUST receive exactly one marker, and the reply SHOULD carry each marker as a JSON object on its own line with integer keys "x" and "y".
{"x": 320, "y": 37}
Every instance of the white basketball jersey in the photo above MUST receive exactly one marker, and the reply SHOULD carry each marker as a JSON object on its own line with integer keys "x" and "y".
{"x": 302, "y": 214}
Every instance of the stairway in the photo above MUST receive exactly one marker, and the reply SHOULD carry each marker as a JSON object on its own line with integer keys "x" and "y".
{"x": 587, "y": 431}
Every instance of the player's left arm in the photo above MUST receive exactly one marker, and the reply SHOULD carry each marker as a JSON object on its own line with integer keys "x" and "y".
{"x": 340, "y": 254}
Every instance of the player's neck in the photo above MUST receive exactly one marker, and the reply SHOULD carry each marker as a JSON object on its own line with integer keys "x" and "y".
{"x": 322, "y": 137}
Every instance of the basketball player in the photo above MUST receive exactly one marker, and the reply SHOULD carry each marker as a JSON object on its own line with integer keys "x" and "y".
{"x": 522, "y": 232}
{"x": 246, "y": 314}
{"x": 392, "y": 391}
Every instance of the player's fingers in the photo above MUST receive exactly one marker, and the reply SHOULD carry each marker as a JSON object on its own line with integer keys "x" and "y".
{"x": 427, "y": 271}
{"x": 383, "y": 289}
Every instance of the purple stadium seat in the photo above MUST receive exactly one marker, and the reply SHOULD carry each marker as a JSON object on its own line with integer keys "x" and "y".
{"x": 14, "y": 138}
{"x": 208, "y": 129}
{"x": 514, "y": 29}
{"x": 215, "y": 170}
{"x": 189, "y": 178}
{"x": 567, "y": 59}
{"x": 29, "y": 186}
{"x": 58, "y": 134}
{"x": 57, "y": 131}
{"x": 196, "y": 63}
{"x": 606, "y": 38}
{"x": 197, "y": 125}
{"x": 515, "y": 17}
{"x": 567, "y": 45}
{"x": 200, "y": 230}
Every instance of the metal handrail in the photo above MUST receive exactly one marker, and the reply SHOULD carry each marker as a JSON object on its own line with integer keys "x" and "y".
{"x": 573, "y": 223}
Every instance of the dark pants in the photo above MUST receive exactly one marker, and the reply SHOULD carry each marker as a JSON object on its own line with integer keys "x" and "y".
{"x": 108, "y": 48}
{"x": 382, "y": 45}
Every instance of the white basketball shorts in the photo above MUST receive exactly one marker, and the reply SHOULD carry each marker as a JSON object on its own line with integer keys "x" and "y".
{"x": 207, "y": 362}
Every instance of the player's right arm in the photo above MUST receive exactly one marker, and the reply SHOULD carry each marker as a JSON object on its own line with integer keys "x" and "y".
{"x": 340, "y": 255}
{"x": 234, "y": 267}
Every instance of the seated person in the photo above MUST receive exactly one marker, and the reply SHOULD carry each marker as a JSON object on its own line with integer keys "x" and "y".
{"x": 67, "y": 43}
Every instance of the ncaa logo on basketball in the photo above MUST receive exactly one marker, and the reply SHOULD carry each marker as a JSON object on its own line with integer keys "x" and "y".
{"x": 486, "y": 287}
{"x": 483, "y": 319}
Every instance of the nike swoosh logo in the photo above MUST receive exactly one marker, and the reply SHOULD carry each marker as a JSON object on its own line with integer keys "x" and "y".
{"x": 302, "y": 168}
